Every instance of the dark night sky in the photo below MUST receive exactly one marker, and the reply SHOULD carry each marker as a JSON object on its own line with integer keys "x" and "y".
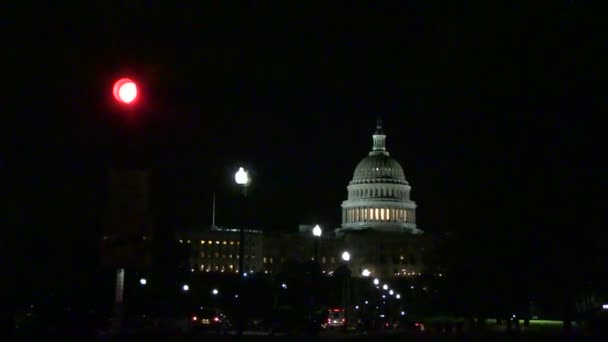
{"x": 490, "y": 111}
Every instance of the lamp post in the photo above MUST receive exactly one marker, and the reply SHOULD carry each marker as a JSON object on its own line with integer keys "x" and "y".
{"x": 317, "y": 232}
{"x": 346, "y": 287}
{"x": 241, "y": 177}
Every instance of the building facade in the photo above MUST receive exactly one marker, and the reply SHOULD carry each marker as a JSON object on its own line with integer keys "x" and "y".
{"x": 378, "y": 230}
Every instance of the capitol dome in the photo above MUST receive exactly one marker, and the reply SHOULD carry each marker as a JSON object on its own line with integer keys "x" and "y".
{"x": 379, "y": 194}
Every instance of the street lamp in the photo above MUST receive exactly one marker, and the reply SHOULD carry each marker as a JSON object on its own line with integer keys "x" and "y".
{"x": 385, "y": 287}
{"x": 185, "y": 288}
{"x": 241, "y": 177}
{"x": 317, "y": 232}
{"x": 143, "y": 281}
{"x": 376, "y": 281}
{"x": 366, "y": 273}
{"x": 215, "y": 292}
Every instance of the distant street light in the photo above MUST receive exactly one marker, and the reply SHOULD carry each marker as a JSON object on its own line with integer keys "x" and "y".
{"x": 376, "y": 281}
{"x": 185, "y": 288}
{"x": 215, "y": 292}
{"x": 391, "y": 292}
{"x": 346, "y": 256}
{"x": 317, "y": 231}
{"x": 366, "y": 273}
{"x": 385, "y": 287}
{"x": 143, "y": 281}
{"x": 398, "y": 296}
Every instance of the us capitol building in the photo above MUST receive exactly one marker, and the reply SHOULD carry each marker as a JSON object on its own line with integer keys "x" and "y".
{"x": 378, "y": 230}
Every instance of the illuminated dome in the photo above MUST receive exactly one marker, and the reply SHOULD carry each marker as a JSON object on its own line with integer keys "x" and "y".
{"x": 378, "y": 167}
{"x": 379, "y": 194}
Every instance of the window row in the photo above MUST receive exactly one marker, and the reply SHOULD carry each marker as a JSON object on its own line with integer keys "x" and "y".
{"x": 217, "y": 255}
{"x": 375, "y": 214}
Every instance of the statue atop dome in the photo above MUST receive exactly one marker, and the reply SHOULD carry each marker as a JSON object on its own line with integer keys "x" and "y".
{"x": 379, "y": 126}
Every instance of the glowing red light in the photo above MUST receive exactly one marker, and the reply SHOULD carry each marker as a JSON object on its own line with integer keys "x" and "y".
{"x": 194, "y": 318}
{"x": 216, "y": 319}
{"x": 125, "y": 90}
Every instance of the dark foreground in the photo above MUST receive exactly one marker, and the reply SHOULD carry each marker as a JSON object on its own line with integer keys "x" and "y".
{"x": 325, "y": 336}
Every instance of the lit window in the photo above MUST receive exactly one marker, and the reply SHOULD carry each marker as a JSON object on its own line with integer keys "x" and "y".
{"x": 210, "y": 242}
{"x": 377, "y": 214}
{"x": 323, "y": 260}
{"x": 232, "y": 242}
{"x": 217, "y": 242}
{"x": 238, "y": 242}
{"x": 188, "y": 241}
{"x": 382, "y": 214}
{"x": 333, "y": 260}
{"x": 265, "y": 260}
{"x": 223, "y": 242}
{"x": 231, "y": 266}
{"x": 202, "y": 254}
{"x": 202, "y": 242}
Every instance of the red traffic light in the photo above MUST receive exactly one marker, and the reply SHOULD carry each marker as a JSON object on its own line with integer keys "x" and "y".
{"x": 125, "y": 91}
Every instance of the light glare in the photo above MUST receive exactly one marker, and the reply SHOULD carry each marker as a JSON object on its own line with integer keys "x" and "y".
{"x": 125, "y": 90}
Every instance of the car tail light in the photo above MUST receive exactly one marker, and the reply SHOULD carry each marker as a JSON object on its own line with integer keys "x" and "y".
{"x": 194, "y": 318}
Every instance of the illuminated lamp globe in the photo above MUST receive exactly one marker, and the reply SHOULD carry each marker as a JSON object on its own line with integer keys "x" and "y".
{"x": 317, "y": 231}
{"x": 346, "y": 256}
{"x": 125, "y": 90}
{"x": 366, "y": 273}
{"x": 376, "y": 281}
{"x": 241, "y": 177}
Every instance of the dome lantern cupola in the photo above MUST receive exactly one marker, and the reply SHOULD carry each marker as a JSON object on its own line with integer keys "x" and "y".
{"x": 379, "y": 146}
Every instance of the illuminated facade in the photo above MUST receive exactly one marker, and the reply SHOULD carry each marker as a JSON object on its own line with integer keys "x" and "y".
{"x": 379, "y": 194}
{"x": 217, "y": 250}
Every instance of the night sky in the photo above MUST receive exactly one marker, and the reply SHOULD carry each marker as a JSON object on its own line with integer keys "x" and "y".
{"x": 489, "y": 110}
